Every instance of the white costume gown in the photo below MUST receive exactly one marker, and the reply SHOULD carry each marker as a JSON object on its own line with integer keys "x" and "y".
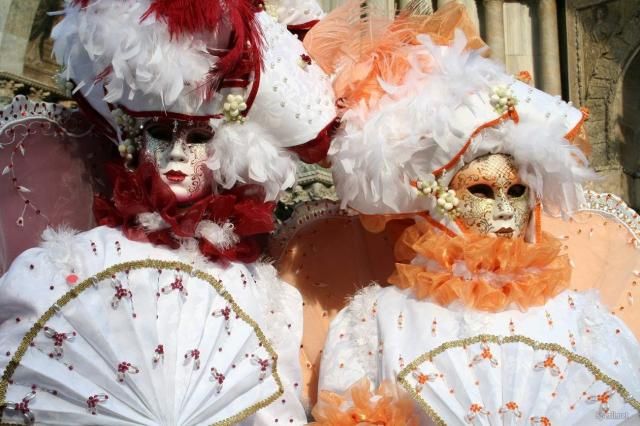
{"x": 387, "y": 334}
{"x": 75, "y": 309}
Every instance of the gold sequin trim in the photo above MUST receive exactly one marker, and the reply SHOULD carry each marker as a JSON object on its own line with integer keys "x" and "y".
{"x": 146, "y": 264}
{"x": 500, "y": 340}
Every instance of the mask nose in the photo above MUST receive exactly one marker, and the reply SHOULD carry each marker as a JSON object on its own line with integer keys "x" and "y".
{"x": 177, "y": 153}
{"x": 503, "y": 210}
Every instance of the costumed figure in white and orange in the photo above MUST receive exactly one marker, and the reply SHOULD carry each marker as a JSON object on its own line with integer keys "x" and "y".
{"x": 480, "y": 324}
{"x": 163, "y": 314}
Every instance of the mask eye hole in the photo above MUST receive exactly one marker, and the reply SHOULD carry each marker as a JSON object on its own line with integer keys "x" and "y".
{"x": 517, "y": 191}
{"x": 199, "y": 137}
{"x": 162, "y": 132}
{"x": 481, "y": 190}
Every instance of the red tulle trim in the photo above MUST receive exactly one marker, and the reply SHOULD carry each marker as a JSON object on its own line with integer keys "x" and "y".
{"x": 142, "y": 191}
{"x": 316, "y": 149}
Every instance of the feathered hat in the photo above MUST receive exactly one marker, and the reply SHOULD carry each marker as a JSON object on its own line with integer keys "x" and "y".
{"x": 226, "y": 62}
{"x": 420, "y": 101}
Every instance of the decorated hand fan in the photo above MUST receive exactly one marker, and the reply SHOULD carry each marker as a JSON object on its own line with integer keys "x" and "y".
{"x": 603, "y": 241}
{"x": 488, "y": 380}
{"x": 145, "y": 343}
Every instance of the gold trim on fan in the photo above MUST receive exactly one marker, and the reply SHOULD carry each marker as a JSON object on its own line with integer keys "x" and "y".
{"x": 483, "y": 338}
{"x": 143, "y": 264}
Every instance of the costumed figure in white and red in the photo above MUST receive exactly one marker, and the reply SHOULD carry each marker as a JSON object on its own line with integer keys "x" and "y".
{"x": 163, "y": 314}
{"x": 479, "y": 324}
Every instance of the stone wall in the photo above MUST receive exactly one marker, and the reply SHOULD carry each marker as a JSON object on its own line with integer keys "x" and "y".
{"x": 603, "y": 38}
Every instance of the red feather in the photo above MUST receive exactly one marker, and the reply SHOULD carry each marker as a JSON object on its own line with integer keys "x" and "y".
{"x": 81, "y": 3}
{"x": 194, "y": 16}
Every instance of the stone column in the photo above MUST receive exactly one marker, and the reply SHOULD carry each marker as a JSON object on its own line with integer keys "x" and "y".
{"x": 15, "y": 27}
{"x": 494, "y": 28}
{"x": 550, "y": 78}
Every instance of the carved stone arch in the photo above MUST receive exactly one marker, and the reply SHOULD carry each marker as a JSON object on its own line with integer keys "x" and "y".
{"x": 603, "y": 38}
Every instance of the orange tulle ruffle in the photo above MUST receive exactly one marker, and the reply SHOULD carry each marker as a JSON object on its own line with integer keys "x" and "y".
{"x": 389, "y": 405}
{"x": 484, "y": 272}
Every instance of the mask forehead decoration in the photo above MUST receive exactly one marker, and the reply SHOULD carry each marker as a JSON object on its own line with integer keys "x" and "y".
{"x": 492, "y": 197}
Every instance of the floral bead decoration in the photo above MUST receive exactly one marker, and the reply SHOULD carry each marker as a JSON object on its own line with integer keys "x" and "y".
{"x": 23, "y": 407}
{"x": 226, "y": 314}
{"x": 264, "y": 365}
{"x": 540, "y": 420}
{"x": 446, "y": 199}
{"x": 603, "y": 400}
{"x": 233, "y": 108}
{"x": 125, "y": 368}
{"x": 131, "y": 132}
{"x": 304, "y": 61}
{"x": 158, "y": 354}
{"x": 58, "y": 341}
{"x": 94, "y": 400}
{"x": 218, "y": 379}
{"x": 502, "y": 99}
{"x": 548, "y": 364}
{"x": 177, "y": 285}
{"x": 422, "y": 379}
{"x": 193, "y": 354}
{"x": 474, "y": 411}
{"x": 510, "y": 407}
{"x": 120, "y": 292}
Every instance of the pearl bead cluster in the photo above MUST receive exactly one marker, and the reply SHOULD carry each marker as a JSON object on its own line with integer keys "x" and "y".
{"x": 131, "y": 131}
{"x": 503, "y": 99}
{"x": 446, "y": 199}
{"x": 233, "y": 108}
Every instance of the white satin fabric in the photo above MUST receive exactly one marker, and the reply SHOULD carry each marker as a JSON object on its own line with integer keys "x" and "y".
{"x": 383, "y": 330}
{"x": 170, "y": 390}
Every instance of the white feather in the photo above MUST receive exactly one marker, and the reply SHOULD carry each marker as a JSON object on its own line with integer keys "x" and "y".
{"x": 152, "y": 221}
{"x": 246, "y": 153}
{"x": 220, "y": 235}
{"x": 60, "y": 248}
{"x": 143, "y": 55}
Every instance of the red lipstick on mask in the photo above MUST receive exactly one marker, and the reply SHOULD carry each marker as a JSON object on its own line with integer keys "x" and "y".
{"x": 175, "y": 176}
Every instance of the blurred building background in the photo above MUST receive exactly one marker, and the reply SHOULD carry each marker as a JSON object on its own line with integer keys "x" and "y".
{"x": 583, "y": 50}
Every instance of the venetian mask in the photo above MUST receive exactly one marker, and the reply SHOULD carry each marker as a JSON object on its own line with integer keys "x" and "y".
{"x": 492, "y": 197}
{"x": 179, "y": 150}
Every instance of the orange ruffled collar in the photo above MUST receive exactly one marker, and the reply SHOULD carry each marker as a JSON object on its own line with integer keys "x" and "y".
{"x": 388, "y": 405}
{"x": 484, "y": 272}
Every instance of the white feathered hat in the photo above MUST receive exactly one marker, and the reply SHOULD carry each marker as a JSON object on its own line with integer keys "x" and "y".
{"x": 430, "y": 102}
{"x": 227, "y": 62}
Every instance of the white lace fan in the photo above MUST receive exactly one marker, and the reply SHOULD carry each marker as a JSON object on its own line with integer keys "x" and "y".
{"x": 145, "y": 343}
{"x": 489, "y": 380}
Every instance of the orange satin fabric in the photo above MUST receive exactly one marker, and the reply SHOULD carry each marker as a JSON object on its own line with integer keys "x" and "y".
{"x": 502, "y": 271}
{"x": 388, "y": 406}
